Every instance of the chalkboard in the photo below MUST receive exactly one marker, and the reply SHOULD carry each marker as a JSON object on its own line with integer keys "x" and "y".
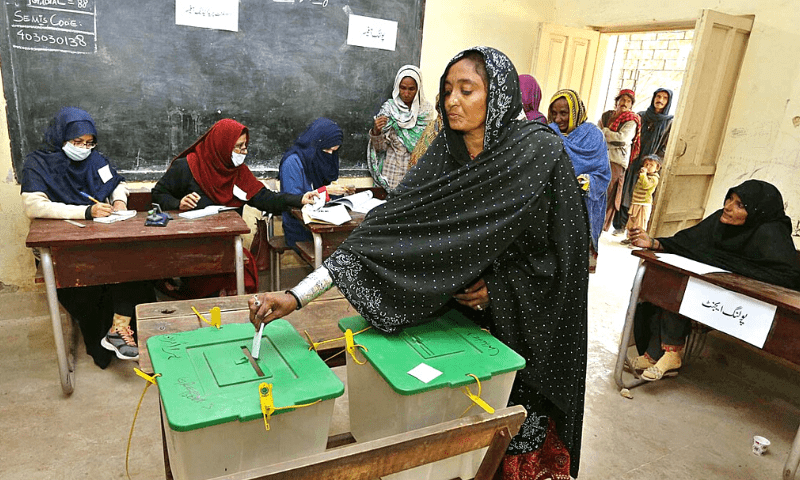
{"x": 153, "y": 86}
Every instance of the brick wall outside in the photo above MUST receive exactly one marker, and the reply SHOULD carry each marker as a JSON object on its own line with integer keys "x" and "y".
{"x": 647, "y": 61}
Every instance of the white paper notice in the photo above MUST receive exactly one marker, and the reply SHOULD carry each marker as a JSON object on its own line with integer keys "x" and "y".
{"x": 105, "y": 173}
{"x": 216, "y": 14}
{"x": 425, "y": 373}
{"x": 737, "y": 315}
{"x": 687, "y": 264}
{"x": 372, "y": 32}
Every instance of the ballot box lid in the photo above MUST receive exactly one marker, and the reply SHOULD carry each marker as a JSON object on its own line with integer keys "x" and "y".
{"x": 450, "y": 344}
{"x": 206, "y": 377}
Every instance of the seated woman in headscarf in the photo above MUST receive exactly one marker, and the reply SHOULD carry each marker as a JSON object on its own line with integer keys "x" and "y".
{"x": 751, "y": 236}
{"x": 586, "y": 147}
{"x": 621, "y": 129}
{"x": 397, "y": 128}
{"x": 656, "y": 125}
{"x": 212, "y": 172}
{"x": 311, "y": 163}
{"x": 531, "y": 98}
{"x": 57, "y": 181}
{"x": 491, "y": 221}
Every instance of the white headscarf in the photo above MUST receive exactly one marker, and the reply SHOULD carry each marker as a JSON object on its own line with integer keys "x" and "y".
{"x": 407, "y": 117}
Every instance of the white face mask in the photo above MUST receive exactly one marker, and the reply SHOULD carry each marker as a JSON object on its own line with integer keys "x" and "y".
{"x": 238, "y": 158}
{"x": 74, "y": 153}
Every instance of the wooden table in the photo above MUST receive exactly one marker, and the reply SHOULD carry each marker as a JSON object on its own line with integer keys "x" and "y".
{"x": 663, "y": 285}
{"x": 128, "y": 251}
{"x": 327, "y": 237}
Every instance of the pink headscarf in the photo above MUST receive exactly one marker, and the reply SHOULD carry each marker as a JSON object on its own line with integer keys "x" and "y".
{"x": 531, "y": 97}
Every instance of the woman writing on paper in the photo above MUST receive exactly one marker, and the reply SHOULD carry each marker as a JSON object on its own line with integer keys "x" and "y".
{"x": 57, "y": 180}
{"x": 311, "y": 163}
{"x": 212, "y": 172}
{"x": 751, "y": 235}
{"x": 397, "y": 129}
{"x": 490, "y": 220}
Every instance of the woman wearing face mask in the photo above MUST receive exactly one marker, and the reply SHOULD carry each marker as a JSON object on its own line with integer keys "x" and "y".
{"x": 56, "y": 181}
{"x": 212, "y": 172}
{"x": 311, "y": 163}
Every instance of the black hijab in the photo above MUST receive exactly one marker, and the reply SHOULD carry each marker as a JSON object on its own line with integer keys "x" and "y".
{"x": 50, "y": 171}
{"x": 761, "y": 248}
{"x": 513, "y": 216}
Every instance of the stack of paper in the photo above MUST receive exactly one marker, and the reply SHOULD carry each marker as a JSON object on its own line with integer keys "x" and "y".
{"x": 336, "y": 214}
{"x": 361, "y": 202}
{"x": 116, "y": 216}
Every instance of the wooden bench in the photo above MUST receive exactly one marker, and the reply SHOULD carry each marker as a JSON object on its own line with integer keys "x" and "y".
{"x": 371, "y": 460}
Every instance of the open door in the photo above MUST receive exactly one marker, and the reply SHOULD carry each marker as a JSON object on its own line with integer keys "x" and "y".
{"x": 701, "y": 119}
{"x": 565, "y": 58}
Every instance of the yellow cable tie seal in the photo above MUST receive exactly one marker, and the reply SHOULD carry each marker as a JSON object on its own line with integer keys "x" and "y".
{"x": 351, "y": 346}
{"x": 476, "y": 399}
{"x": 214, "y": 322}
{"x": 216, "y": 317}
{"x": 315, "y": 345}
{"x": 146, "y": 376}
{"x": 268, "y": 404}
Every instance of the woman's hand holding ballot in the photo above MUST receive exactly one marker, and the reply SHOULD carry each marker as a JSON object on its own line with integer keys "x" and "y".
{"x": 270, "y": 306}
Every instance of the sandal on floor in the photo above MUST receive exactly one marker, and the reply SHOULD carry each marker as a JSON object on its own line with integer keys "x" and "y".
{"x": 654, "y": 373}
{"x": 637, "y": 365}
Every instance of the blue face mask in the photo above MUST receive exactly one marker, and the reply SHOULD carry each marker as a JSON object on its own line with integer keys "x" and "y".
{"x": 237, "y": 158}
{"x": 74, "y": 153}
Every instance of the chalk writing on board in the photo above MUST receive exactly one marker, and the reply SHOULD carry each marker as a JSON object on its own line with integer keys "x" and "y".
{"x": 67, "y": 26}
{"x": 207, "y": 14}
{"x": 324, "y": 3}
{"x": 736, "y": 313}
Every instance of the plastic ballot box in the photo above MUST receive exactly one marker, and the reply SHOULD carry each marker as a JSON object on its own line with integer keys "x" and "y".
{"x": 212, "y": 393}
{"x": 426, "y": 374}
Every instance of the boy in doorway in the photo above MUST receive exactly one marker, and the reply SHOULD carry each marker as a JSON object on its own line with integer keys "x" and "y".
{"x": 642, "y": 198}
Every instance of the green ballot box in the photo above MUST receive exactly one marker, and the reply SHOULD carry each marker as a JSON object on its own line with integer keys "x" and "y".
{"x": 212, "y": 392}
{"x": 424, "y": 375}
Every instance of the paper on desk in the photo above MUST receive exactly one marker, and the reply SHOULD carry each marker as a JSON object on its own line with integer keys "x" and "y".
{"x": 204, "y": 212}
{"x": 336, "y": 214}
{"x": 116, "y": 216}
{"x": 687, "y": 264}
{"x": 425, "y": 373}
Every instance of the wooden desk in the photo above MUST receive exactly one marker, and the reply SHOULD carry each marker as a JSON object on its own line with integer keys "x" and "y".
{"x": 342, "y": 459}
{"x": 327, "y": 237}
{"x": 128, "y": 251}
{"x": 663, "y": 285}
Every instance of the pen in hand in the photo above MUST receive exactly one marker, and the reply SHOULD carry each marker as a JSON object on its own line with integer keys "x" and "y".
{"x": 90, "y": 197}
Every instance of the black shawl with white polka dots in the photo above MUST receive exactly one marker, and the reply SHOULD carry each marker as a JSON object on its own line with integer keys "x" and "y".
{"x": 513, "y": 216}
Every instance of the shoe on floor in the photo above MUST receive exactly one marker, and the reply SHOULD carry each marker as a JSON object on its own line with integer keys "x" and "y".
{"x": 625, "y": 241}
{"x": 120, "y": 341}
{"x": 618, "y": 231}
{"x": 666, "y": 366}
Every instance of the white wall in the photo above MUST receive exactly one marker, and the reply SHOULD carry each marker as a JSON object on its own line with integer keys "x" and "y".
{"x": 761, "y": 140}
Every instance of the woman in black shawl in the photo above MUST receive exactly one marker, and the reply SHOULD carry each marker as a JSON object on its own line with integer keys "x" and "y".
{"x": 656, "y": 125}
{"x": 491, "y": 217}
{"x": 750, "y": 236}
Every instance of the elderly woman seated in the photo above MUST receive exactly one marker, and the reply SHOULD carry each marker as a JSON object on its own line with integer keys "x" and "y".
{"x": 750, "y": 236}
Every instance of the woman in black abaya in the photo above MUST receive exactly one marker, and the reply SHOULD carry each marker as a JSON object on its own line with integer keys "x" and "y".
{"x": 751, "y": 236}
{"x": 491, "y": 217}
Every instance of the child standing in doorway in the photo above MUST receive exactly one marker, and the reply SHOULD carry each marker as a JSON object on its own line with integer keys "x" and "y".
{"x": 642, "y": 198}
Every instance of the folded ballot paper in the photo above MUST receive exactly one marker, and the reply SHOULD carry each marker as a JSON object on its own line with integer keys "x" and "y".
{"x": 204, "y": 212}
{"x": 116, "y": 216}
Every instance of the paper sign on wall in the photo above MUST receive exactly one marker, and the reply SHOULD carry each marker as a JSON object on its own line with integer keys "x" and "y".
{"x": 737, "y": 315}
{"x": 208, "y": 14}
{"x": 371, "y": 32}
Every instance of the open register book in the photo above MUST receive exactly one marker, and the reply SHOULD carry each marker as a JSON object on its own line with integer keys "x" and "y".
{"x": 335, "y": 211}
